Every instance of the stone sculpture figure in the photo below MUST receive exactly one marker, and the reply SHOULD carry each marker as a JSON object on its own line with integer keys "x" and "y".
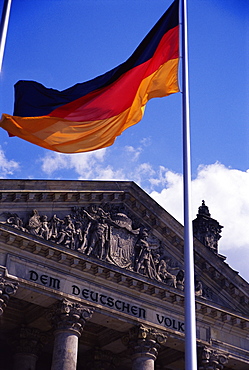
{"x": 44, "y": 230}
{"x": 85, "y": 236}
{"x": 180, "y": 280}
{"x": 55, "y": 226}
{"x": 145, "y": 263}
{"x": 165, "y": 275}
{"x": 34, "y": 223}
{"x": 78, "y": 235}
{"x": 67, "y": 233}
{"x": 139, "y": 246}
{"x": 98, "y": 234}
{"x": 198, "y": 287}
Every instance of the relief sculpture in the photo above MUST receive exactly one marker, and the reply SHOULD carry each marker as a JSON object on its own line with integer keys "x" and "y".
{"x": 144, "y": 263}
{"x": 108, "y": 234}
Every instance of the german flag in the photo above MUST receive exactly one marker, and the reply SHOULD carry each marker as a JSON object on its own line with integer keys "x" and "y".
{"x": 90, "y": 115}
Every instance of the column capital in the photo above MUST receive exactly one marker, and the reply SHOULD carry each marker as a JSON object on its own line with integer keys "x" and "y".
{"x": 7, "y": 289}
{"x": 144, "y": 341}
{"x": 69, "y": 316}
{"x": 211, "y": 359}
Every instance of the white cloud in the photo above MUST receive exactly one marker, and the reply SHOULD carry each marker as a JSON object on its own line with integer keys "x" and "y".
{"x": 134, "y": 153}
{"x": 84, "y": 164}
{"x": 92, "y": 165}
{"x": 53, "y": 162}
{"x": 225, "y": 192}
{"x": 7, "y": 167}
{"x": 170, "y": 197}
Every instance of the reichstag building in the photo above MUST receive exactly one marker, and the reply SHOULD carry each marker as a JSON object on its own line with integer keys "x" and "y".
{"x": 92, "y": 278}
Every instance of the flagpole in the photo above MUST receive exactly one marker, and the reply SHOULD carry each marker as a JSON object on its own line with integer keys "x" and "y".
{"x": 4, "y": 28}
{"x": 190, "y": 320}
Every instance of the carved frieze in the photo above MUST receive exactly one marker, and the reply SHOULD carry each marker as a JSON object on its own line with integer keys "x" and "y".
{"x": 107, "y": 233}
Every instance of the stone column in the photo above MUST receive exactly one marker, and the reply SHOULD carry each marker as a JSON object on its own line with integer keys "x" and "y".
{"x": 211, "y": 359}
{"x": 68, "y": 319}
{"x": 144, "y": 344}
{"x": 6, "y": 290}
{"x": 27, "y": 345}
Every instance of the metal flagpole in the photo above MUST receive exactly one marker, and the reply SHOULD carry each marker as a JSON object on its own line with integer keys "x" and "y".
{"x": 4, "y": 28}
{"x": 190, "y": 324}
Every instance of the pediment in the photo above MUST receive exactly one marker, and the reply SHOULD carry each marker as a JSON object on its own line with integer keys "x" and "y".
{"x": 118, "y": 227}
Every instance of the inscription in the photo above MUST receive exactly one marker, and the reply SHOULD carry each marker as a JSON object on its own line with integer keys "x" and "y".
{"x": 44, "y": 279}
{"x": 104, "y": 299}
{"x": 170, "y": 323}
{"x": 109, "y": 301}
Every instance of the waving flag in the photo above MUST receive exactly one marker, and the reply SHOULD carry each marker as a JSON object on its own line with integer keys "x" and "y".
{"x": 90, "y": 115}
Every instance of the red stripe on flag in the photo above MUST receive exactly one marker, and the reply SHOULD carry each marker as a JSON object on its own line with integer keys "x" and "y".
{"x": 116, "y": 98}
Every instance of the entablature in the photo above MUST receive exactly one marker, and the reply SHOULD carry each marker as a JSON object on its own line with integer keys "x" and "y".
{"x": 71, "y": 262}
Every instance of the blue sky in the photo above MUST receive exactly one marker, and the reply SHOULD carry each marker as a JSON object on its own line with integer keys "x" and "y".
{"x": 61, "y": 42}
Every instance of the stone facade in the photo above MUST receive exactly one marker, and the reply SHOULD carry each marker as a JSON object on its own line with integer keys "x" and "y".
{"x": 92, "y": 276}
